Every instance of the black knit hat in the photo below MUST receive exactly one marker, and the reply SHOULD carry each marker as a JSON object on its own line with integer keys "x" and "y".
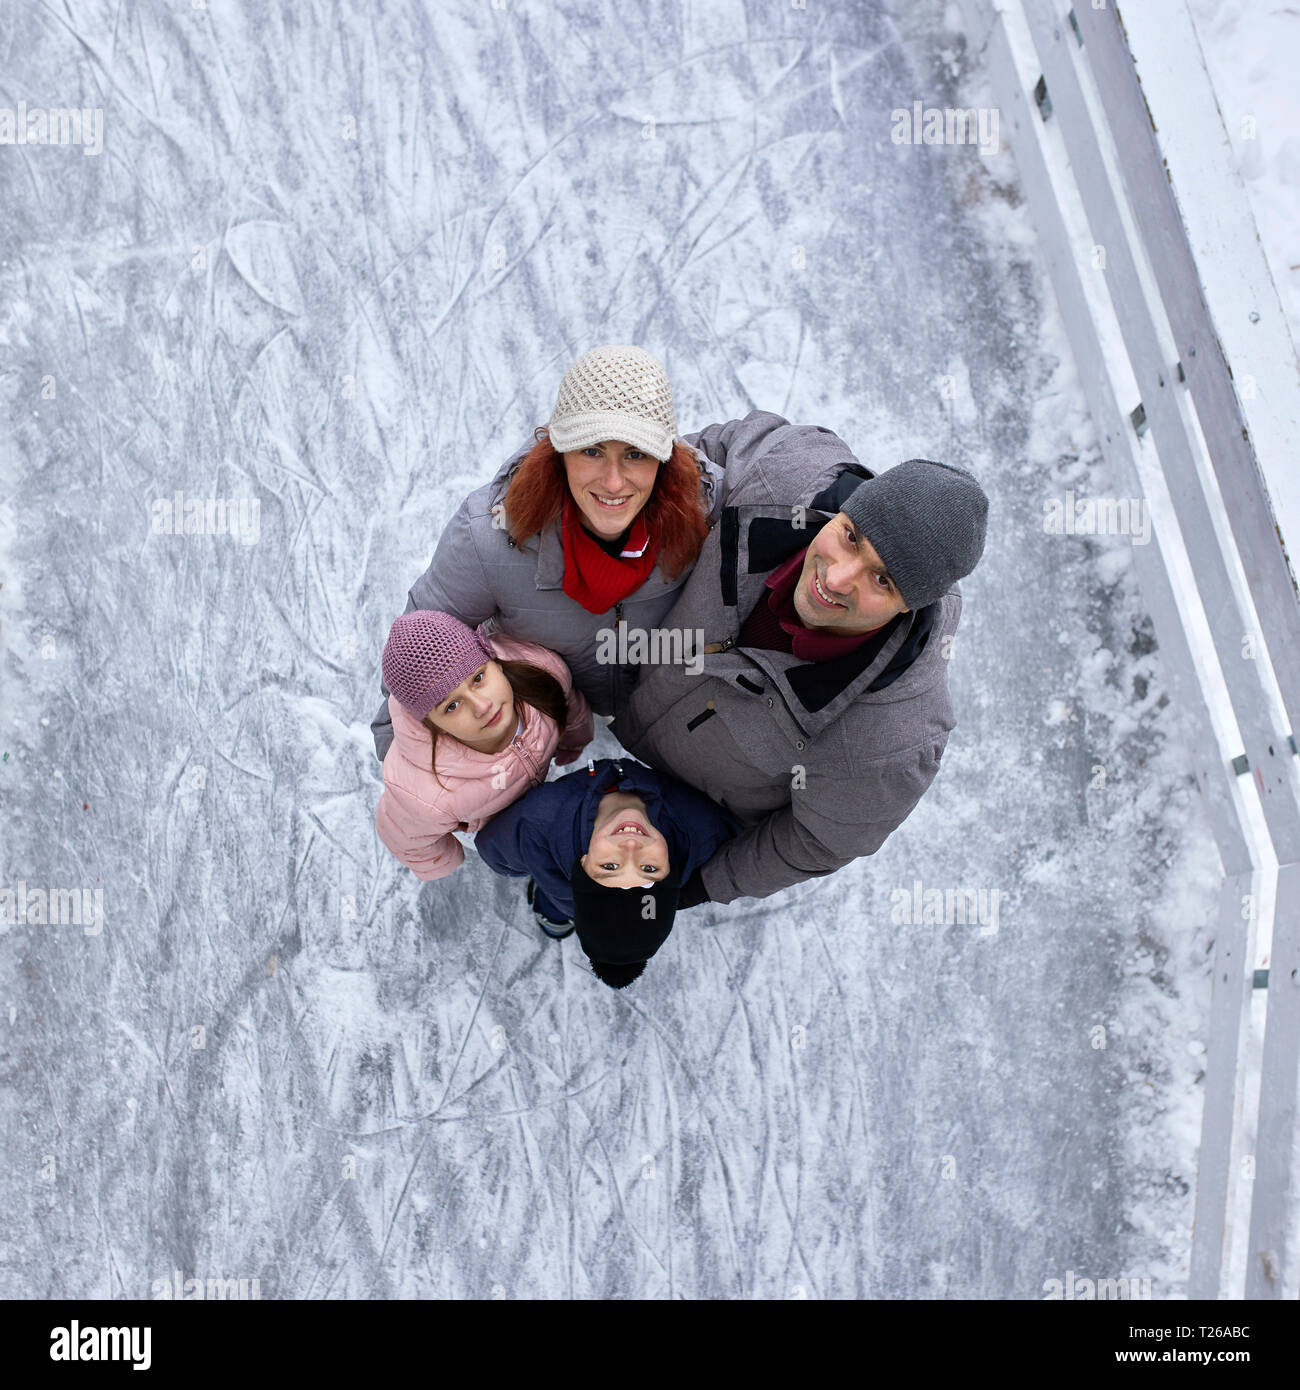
{"x": 618, "y": 927}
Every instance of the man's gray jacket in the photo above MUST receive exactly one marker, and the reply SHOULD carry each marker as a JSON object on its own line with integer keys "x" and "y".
{"x": 821, "y": 760}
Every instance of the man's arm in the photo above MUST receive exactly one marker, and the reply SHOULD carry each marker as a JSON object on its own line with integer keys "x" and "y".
{"x": 456, "y": 583}
{"x": 744, "y": 439}
{"x": 828, "y": 824}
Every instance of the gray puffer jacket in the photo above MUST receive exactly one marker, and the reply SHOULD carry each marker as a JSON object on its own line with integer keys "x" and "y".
{"x": 821, "y": 760}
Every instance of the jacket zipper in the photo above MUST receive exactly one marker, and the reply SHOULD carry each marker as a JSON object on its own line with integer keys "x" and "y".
{"x": 712, "y": 646}
{"x": 614, "y": 669}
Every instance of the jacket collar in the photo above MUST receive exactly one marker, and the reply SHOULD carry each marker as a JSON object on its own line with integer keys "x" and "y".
{"x": 816, "y": 692}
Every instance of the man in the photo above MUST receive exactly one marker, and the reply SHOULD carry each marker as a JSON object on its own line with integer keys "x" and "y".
{"x": 827, "y": 599}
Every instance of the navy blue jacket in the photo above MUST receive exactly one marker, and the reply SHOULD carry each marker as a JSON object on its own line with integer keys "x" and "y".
{"x": 550, "y": 826}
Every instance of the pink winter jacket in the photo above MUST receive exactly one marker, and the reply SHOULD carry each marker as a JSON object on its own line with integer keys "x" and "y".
{"x": 416, "y": 816}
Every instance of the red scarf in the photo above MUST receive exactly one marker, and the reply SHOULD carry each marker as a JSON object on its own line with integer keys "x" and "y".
{"x": 593, "y": 578}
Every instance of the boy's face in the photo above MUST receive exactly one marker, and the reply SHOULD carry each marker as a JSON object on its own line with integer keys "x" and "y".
{"x": 625, "y": 851}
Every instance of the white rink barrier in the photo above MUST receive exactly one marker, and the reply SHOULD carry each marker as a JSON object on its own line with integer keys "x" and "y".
{"x": 1192, "y": 381}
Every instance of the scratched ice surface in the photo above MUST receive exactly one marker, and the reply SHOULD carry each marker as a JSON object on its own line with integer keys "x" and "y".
{"x": 335, "y": 261}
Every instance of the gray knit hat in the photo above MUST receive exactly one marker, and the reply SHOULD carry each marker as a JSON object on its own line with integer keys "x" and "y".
{"x": 615, "y": 393}
{"x": 926, "y": 521}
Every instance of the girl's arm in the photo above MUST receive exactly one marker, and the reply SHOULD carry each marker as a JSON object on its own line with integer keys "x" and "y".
{"x": 419, "y": 835}
{"x": 456, "y": 583}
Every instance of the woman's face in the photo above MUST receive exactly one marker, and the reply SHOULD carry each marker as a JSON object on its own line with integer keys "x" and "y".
{"x": 625, "y": 849}
{"x": 611, "y": 470}
{"x": 480, "y": 711}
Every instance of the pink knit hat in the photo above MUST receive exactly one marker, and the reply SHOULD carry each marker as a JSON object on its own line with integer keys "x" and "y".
{"x": 427, "y": 655}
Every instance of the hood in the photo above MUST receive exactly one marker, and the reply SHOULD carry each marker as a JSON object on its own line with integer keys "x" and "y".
{"x": 677, "y": 811}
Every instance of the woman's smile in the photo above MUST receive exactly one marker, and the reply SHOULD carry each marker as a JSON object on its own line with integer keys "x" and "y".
{"x": 611, "y": 482}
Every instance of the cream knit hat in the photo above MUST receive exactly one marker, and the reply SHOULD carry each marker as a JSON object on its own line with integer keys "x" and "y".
{"x": 615, "y": 393}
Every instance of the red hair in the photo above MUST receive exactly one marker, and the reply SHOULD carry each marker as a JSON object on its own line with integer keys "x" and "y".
{"x": 674, "y": 515}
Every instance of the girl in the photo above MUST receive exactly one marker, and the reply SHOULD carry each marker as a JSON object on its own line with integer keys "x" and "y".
{"x": 476, "y": 722}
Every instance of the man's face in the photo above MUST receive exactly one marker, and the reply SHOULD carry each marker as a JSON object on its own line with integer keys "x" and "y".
{"x": 850, "y": 573}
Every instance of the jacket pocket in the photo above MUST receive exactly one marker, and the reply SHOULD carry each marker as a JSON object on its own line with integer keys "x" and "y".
{"x": 693, "y": 724}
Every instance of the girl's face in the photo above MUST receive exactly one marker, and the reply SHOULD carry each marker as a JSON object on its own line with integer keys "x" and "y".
{"x": 611, "y": 470}
{"x": 625, "y": 850}
{"x": 480, "y": 712}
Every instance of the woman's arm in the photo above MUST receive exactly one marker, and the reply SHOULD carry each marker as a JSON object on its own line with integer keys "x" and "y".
{"x": 455, "y": 583}
{"x": 579, "y": 728}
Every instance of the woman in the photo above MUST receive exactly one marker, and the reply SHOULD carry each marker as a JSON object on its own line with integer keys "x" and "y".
{"x": 597, "y": 522}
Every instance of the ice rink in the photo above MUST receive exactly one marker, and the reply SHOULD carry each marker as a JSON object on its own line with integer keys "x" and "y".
{"x": 330, "y": 264}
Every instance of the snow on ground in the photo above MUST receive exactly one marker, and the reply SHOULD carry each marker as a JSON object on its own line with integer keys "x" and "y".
{"x": 336, "y": 262}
